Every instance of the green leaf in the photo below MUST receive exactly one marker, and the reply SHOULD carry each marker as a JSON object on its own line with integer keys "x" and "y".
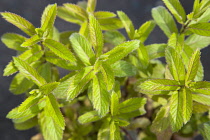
{"x": 31, "y": 41}
{"x": 114, "y": 37}
{"x": 78, "y": 82}
{"x": 28, "y": 56}
{"x": 121, "y": 51}
{"x": 45, "y": 70}
{"x": 114, "y": 131}
{"x": 108, "y": 75}
{"x": 82, "y": 48}
{"x": 27, "y": 124}
{"x": 176, "y": 111}
{"x": 91, "y": 5}
{"x": 156, "y": 50}
{"x": 114, "y": 104}
{"x": 100, "y": 95}
{"x": 19, "y": 117}
{"x": 193, "y": 66}
{"x": 204, "y": 17}
{"x": 200, "y": 108}
{"x": 29, "y": 72}
{"x": 110, "y": 24}
{"x": 104, "y": 131}
{"x": 13, "y": 41}
{"x": 49, "y": 128}
{"x": 161, "y": 121}
{"x": 29, "y": 102}
{"x": 20, "y": 84}
{"x": 202, "y": 87}
{"x": 201, "y": 98}
{"x": 204, "y": 129}
{"x": 96, "y": 35}
{"x": 197, "y": 41}
{"x": 48, "y": 88}
{"x": 143, "y": 56}
{"x": 69, "y": 16}
{"x": 187, "y": 104}
{"x": 104, "y": 14}
{"x": 202, "y": 29}
{"x": 164, "y": 20}
{"x": 64, "y": 37}
{"x": 59, "y": 49}
{"x": 76, "y": 10}
{"x": 19, "y": 22}
{"x": 145, "y": 30}
{"x": 131, "y": 105}
{"x": 52, "y": 110}
{"x": 122, "y": 69}
{"x": 177, "y": 42}
{"x": 127, "y": 24}
{"x": 88, "y": 117}
{"x": 175, "y": 64}
{"x": 48, "y": 18}
{"x": 176, "y": 9}
{"x": 160, "y": 85}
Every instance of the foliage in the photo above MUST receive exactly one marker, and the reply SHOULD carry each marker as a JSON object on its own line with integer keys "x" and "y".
{"x": 116, "y": 83}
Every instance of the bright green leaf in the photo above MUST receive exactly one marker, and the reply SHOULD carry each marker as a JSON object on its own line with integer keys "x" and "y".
{"x": 156, "y": 50}
{"x": 202, "y": 87}
{"x": 29, "y": 72}
{"x": 202, "y": 29}
{"x": 19, "y": 22}
{"x": 31, "y": 41}
{"x": 164, "y": 20}
{"x": 201, "y": 98}
{"x": 197, "y": 41}
{"x": 110, "y": 24}
{"x": 88, "y": 117}
{"x": 104, "y": 14}
{"x": 114, "y": 37}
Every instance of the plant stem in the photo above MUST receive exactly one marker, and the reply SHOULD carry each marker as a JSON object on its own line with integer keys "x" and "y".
{"x": 127, "y": 134}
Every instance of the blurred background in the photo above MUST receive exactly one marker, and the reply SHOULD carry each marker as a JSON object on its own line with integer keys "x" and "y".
{"x": 139, "y": 12}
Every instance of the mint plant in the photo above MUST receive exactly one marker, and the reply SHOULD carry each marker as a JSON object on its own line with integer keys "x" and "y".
{"x": 116, "y": 86}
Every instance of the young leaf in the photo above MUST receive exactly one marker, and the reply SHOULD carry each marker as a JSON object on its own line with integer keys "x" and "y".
{"x": 201, "y": 98}
{"x": 13, "y": 41}
{"x": 68, "y": 16}
{"x": 187, "y": 104}
{"x": 200, "y": 29}
{"x": 160, "y": 85}
{"x": 114, "y": 37}
{"x": 122, "y": 69}
{"x": 91, "y": 5}
{"x": 78, "y": 82}
{"x": 164, "y": 20}
{"x": 145, "y": 30}
{"x": 82, "y": 48}
{"x": 20, "y": 84}
{"x": 88, "y": 117}
{"x": 31, "y": 41}
{"x": 121, "y": 51}
{"x": 114, "y": 104}
{"x": 110, "y": 24}
{"x": 108, "y": 75}
{"x": 104, "y": 14}
{"x": 175, "y": 64}
{"x": 29, "y": 72}
{"x": 176, "y": 9}
{"x": 131, "y": 105}
{"x": 49, "y": 128}
{"x": 100, "y": 96}
{"x": 202, "y": 87}
{"x": 48, "y": 88}
{"x": 29, "y": 102}
{"x": 19, "y": 22}
{"x": 76, "y": 10}
{"x": 127, "y": 24}
{"x": 48, "y": 18}
{"x": 156, "y": 50}
{"x": 193, "y": 66}
{"x": 176, "y": 111}
{"x": 143, "y": 56}
{"x": 114, "y": 131}
{"x": 197, "y": 41}
{"x": 96, "y": 35}
{"x": 59, "y": 49}
{"x": 52, "y": 110}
